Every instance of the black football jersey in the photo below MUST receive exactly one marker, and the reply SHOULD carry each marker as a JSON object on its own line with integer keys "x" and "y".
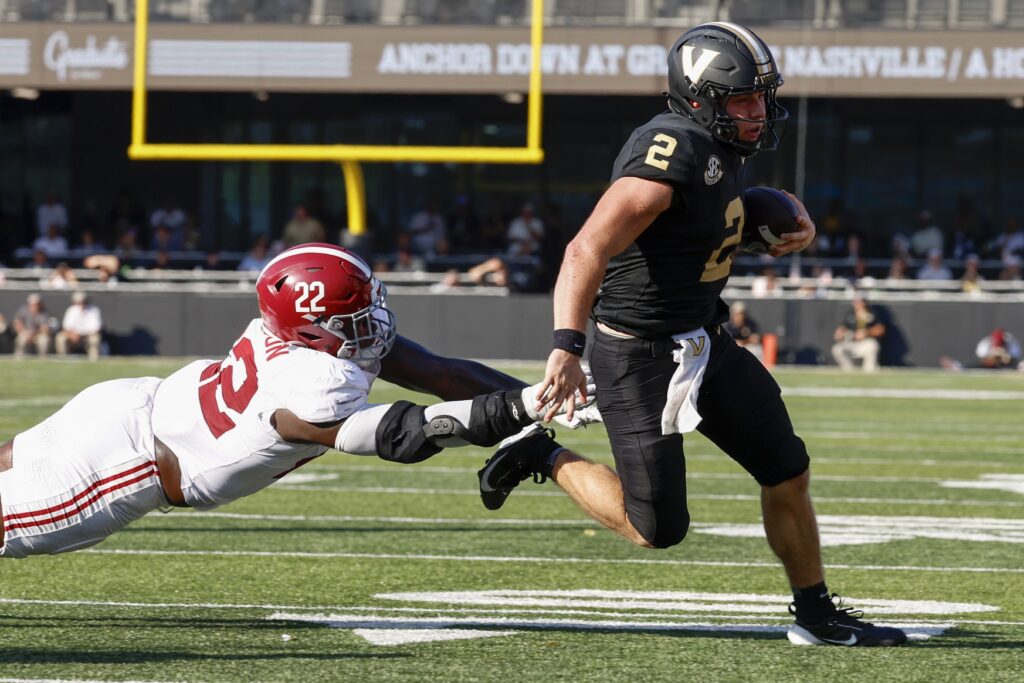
{"x": 669, "y": 280}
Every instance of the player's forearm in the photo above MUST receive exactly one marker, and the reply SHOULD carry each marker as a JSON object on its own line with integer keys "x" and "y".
{"x": 581, "y": 274}
{"x": 414, "y": 367}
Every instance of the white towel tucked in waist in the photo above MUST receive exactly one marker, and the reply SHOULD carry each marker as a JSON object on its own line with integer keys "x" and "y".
{"x": 680, "y": 415}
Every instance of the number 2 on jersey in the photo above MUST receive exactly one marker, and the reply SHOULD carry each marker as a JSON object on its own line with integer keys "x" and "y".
{"x": 663, "y": 150}
{"x": 221, "y": 376}
{"x": 720, "y": 262}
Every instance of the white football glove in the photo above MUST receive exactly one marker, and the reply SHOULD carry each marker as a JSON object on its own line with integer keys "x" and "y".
{"x": 530, "y": 400}
{"x": 584, "y": 416}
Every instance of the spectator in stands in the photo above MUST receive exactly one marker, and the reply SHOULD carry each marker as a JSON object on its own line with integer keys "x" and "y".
{"x": 88, "y": 221}
{"x": 212, "y": 261}
{"x": 257, "y": 257}
{"x": 998, "y": 350}
{"x": 87, "y": 244}
{"x": 52, "y": 243}
{"x": 40, "y": 264}
{"x": 493, "y": 271}
{"x": 302, "y": 228}
{"x": 62, "y": 277}
{"x": 834, "y": 228}
{"x": 51, "y": 213}
{"x": 428, "y": 230}
{"x": 858, "y": 336}
{"x": 82, "y": 327}
{"x": 125, "y": 216}
{"x": 161, "y": 260}
{"x": 897, "y": 268}
{"x": 172, "y": 219}
{"x": 971, "y": 280}
{"x": 107, "y": 267}
{"x": 449, "y": 282}
{"x": 525, "y": 233}
{"x": 163, "y": 240}
{"x": 464, "y": 229}
{"x": 928, "y": 235}
{"x": 6, "y": 336}
{"x": 405, "y": 261}
{"x": 766, "y": 284}
{"x": 744, "y": 330}
{"x": 1011, "y": 269}
{"x": 127, "y": 246}
{"x": 934, "y": 269}
{"x": 1009, "y": 244}
{"x": 32, "y": 325}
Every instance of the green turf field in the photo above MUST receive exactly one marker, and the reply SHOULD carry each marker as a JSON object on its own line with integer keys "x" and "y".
{"x": 353, "y": 569}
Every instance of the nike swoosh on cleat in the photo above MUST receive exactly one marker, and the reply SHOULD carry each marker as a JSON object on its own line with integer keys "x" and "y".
{"x": 852, "y": 640}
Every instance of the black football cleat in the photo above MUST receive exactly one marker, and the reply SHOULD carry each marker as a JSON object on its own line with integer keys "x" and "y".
{"x": 518, "y": 457}
{"x": 844, "y": 627}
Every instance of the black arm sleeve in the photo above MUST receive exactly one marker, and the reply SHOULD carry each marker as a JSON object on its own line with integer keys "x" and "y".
{"x": 412, "y": 366}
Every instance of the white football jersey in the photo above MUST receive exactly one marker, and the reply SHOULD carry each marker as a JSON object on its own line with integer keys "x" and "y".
{"x": 215, "y": 416}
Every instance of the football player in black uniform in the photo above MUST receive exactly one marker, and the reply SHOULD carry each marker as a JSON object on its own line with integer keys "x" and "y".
{"x": 648, "y": 266}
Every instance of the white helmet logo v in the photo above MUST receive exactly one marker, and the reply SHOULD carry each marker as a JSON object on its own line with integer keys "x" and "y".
{"x": 692, "y": 70}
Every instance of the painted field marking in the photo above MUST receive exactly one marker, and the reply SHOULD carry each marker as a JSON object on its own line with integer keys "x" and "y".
{"x": 34, "y": 402}
{"x": 1014, "y": 483}
{"x": 435, "y": 610}
{"x": 396, "y": 630}
{"x": 482, "y": 521}
{"x": 737, "y": 476}
{"x": 71, "y": 680}
{"x": 527, "y": 559}
{"x": 910, "y": 394}
{"x": 407, "y": 490}
{"x": 840, "y": 530}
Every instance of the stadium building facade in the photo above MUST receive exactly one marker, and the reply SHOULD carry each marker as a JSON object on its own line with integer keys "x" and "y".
{"x": 892, "y": 113}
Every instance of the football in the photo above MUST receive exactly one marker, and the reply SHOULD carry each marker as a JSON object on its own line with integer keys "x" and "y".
{"x": 769, "y": 214}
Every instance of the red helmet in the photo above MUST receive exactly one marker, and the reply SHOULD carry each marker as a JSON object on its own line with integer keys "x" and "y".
{"x": 326, "y": 298}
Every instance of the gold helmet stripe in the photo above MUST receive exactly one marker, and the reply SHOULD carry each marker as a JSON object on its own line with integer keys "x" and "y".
{"x": 762, "y": 57}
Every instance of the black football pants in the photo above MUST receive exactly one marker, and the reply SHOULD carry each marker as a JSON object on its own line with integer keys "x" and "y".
{"x": 742, "y": 413}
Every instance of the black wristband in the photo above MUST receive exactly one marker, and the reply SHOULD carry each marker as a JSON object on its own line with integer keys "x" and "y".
{"x": 570, "y": 340}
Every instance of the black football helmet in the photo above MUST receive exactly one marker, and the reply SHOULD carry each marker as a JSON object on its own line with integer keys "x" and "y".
{"x": 712, "y": 61}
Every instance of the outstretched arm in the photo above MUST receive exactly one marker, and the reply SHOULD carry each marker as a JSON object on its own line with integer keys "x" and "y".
{"x": 406, "y": 432}
{"x": 414, "y": 367}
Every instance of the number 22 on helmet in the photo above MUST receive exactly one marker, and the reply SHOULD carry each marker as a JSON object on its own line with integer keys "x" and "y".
{"x": 326, "y": 298}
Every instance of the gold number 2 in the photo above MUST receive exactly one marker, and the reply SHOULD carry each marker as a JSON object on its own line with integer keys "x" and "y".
{"x": 720, "y": 262}
{"x": 661, "y": 150}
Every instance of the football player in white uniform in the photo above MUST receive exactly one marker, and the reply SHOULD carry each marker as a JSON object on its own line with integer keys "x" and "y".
{"x": 295, "y": 383}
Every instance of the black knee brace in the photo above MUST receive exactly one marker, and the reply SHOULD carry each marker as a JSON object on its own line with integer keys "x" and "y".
{"x": 401, "y": 436}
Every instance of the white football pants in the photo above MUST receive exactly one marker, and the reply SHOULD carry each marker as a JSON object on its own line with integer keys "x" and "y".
{"x": 83, "y": 473}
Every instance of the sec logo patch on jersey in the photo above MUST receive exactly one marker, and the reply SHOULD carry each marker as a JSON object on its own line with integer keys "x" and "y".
{"x": 713, "y": 173}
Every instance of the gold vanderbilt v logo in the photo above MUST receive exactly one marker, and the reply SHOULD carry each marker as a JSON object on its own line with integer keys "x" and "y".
{"x": 697, "y": 344}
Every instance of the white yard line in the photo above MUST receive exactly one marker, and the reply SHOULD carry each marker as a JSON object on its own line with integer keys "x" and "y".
{"x": 697, "y": 496}
{"x": 389, "y": 611}
{"x": 526, "y": 559}
{"x": 418, "y": 469}
{"x": 909, "y": 394}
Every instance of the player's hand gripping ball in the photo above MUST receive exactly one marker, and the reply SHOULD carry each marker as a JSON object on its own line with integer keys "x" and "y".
{"x": 769, "y": 214}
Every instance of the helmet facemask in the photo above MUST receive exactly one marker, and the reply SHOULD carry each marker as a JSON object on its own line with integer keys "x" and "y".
{"x": 711, "y": 114}
{"x": 366, "y": 335}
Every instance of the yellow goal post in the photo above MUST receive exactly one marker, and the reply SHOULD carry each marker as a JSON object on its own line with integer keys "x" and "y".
{"x": 349, "y": 156}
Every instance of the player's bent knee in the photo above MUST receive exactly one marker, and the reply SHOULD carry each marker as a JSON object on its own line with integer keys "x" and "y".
{"x": 662, "y": 531}
{"x": 791, "y": 462}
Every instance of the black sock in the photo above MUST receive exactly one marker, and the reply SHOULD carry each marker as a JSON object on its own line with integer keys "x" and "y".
{"x": 813, "y": 602}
